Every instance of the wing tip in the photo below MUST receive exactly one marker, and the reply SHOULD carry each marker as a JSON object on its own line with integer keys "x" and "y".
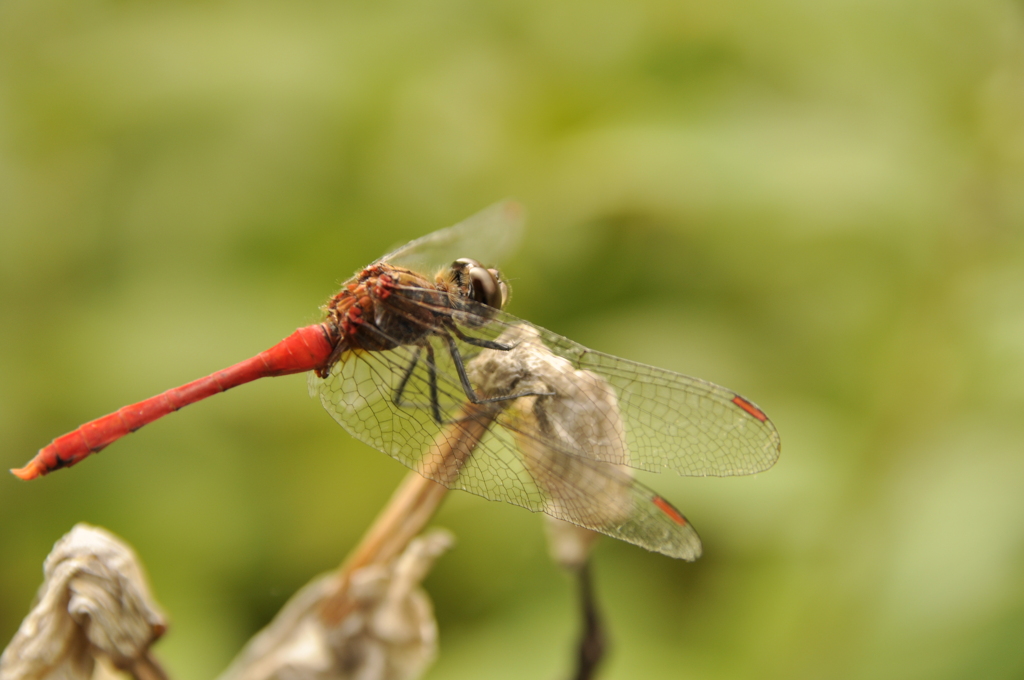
{"x": 750, "y": 408}
{"x": 513, "y": 208}
{"x": 670, "y": 510}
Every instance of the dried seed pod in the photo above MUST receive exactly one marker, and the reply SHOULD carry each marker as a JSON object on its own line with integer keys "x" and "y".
{"x": 94, "y": 604}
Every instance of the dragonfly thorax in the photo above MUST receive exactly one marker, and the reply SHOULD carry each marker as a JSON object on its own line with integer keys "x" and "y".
{"x": 386, "y": 306}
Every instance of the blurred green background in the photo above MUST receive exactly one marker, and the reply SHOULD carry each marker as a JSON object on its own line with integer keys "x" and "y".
{"x": 817, "y": 204}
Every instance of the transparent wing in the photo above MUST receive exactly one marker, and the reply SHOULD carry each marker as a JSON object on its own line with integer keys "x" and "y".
{"x": 391, "y": 400}
{"x": 597, "y": 495}
{"x": 671, "y": 421}
{"x": 679, "y": 423}
{"x": 488, "y": 236}
{"x": 554, "y": 426}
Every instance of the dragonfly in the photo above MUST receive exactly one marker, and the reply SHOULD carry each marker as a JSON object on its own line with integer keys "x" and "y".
{"x": 431, "y": 370}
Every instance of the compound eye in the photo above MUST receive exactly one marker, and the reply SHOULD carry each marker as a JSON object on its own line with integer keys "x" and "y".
{"x": 503, "y": 291}
{"x": 486, "y": 284}
{"x": 486, "y": 288}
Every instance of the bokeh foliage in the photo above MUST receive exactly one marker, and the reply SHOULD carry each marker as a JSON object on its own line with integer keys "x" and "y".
{"x": 818, "y": 204}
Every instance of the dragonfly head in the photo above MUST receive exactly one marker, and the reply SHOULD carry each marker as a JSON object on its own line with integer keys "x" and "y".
{"x": 479, "y": 283}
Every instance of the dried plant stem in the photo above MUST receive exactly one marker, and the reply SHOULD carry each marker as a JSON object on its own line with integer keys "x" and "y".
{"x": 594, "y": 641}
{"x": 411, "y": 506}
{"x": 147, "y": 668}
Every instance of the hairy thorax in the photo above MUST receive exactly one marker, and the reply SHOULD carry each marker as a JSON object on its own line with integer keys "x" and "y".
{"x": 384, "y": 307}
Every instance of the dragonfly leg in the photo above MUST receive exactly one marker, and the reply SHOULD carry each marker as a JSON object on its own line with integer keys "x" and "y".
{"x": 397, "y": 396}
{"x": 479, "y": 342}
{"x": 435, "y": 404}
{"x": 460, "y": 368}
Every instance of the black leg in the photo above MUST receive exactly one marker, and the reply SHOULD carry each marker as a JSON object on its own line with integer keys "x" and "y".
{"x": 478, "y": 342}
{"x": 435, "y": 405}
{"x": 397, "y": 396}
{"x": 468, "y": 389}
